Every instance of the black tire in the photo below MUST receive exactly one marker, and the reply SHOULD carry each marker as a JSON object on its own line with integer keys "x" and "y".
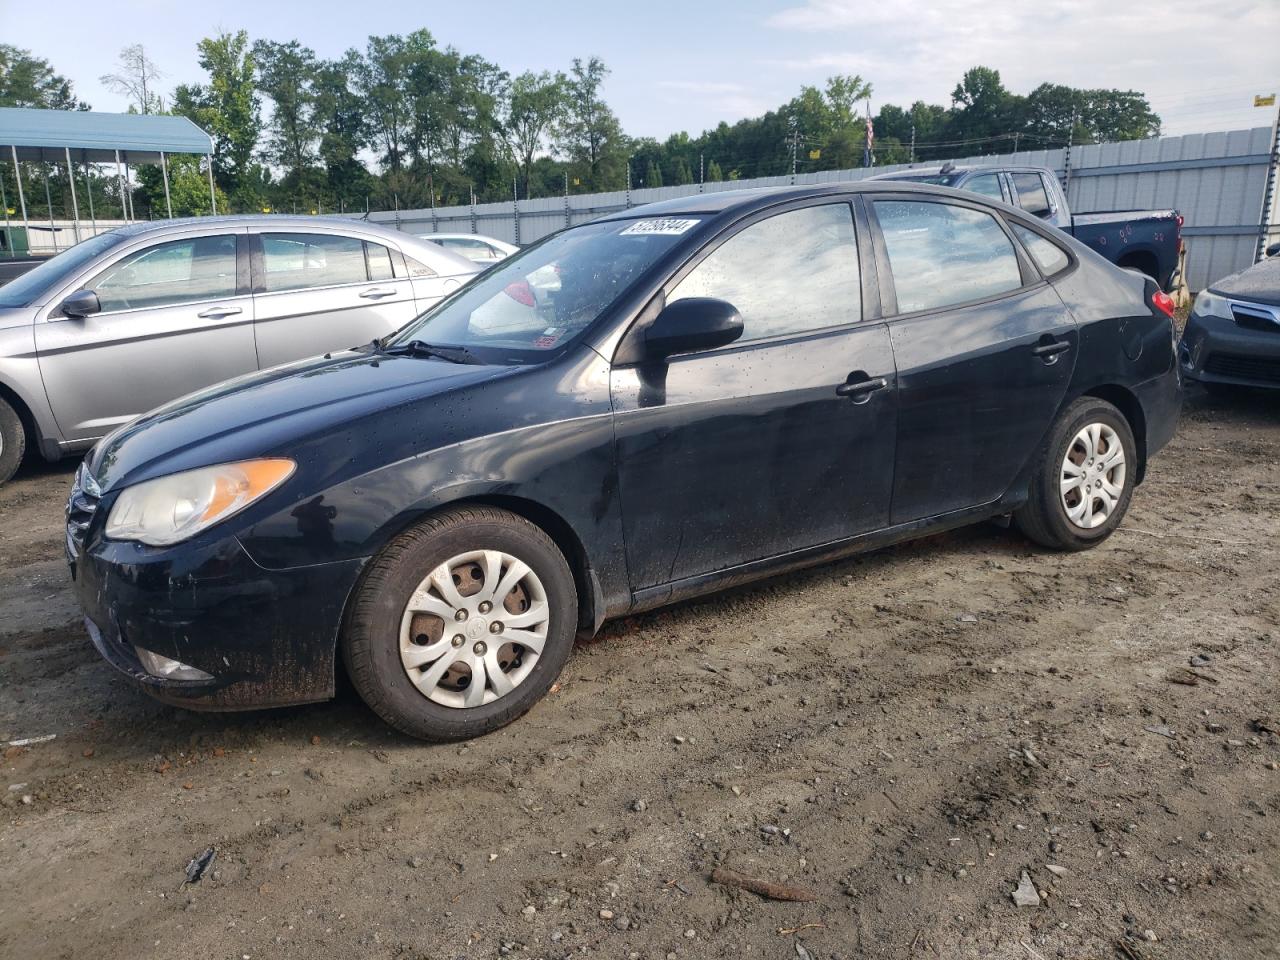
{"x": 1044, "y": 517}
{"x": 371, "y": 634}
{"x": 13, "y": 441}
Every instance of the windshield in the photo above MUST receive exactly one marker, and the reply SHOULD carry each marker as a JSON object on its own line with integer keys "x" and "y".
{"x": 535, "y": 302}
{"x": 32, "y": 285}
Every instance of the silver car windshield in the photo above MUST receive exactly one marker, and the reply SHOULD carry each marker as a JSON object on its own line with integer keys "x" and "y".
{"x": 35, "y": 283}
{"x": 532, "y": 304}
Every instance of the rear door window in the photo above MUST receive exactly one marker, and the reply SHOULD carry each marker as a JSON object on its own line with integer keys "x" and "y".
{"x": 297, "y": 261}
{"x": 179, "y": 271}
{"x": 379, "y": 262}
{"x": 941, "y": 254}
{"x": 1032, "y": 196}
{"x": 988, "y": 185}
{"x": 794, "y": 272}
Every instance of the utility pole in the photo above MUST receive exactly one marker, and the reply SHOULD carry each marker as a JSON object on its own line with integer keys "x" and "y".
{"x": 701, "y": 172}
{"x": 1066, "y": 162}
{"x": 1016, "y": 138}
{"x": 628, "y": 183}
{"x": 515, "y": 207}
{"x": 795, "y": 143}
{"x": 566, "y": 198}
{"x": 913, "y": 143}
{"x": 473, "y": 208}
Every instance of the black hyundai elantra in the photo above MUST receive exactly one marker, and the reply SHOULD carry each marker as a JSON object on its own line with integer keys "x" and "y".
{"x": 654, "y": 405}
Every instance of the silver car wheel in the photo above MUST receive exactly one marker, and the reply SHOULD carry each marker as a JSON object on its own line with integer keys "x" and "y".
{"x": 474, "y": 628}
{"x": 1093, "y": 475}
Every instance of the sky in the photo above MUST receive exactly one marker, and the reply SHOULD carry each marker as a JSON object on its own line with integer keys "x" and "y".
{"x": 690, "y": 65}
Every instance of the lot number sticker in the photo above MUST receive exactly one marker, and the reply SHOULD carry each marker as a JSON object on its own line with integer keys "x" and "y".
{"x": 666, "y": 227}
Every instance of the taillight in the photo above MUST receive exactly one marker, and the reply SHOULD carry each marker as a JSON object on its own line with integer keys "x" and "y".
{"x": 1164, "y": 303}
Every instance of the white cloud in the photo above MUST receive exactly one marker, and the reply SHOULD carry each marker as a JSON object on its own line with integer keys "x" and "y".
{"x": 1198, "y": 65}
{"x": 731, "y": 101}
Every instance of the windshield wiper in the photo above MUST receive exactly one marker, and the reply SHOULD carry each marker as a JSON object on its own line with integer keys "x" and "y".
{"x": 420, "y": 348}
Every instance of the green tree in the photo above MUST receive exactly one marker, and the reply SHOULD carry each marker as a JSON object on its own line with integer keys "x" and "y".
{"x": 227, "y": 107}
{"x": 714, "y": 173}
{"x": 681, "y": 172}
{"x": 589, "y": 134}
{"x": 287, "y": 75}
{"x": 983, "y": 109}
{"x": 653, "y": 175}
{"x": 188, "y": 188}
{"x": 338, "y": 112}
{"x": 535, "y": 103}
{"x": 30, "y": 81}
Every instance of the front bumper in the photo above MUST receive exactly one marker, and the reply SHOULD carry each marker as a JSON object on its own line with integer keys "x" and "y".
{"x": 1217, "y": 350}
{"x": 266, "y": 637}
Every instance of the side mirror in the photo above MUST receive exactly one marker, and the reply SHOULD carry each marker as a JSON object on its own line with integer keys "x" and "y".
{"x": 697, "y": 323}
{"x": 81, "y": 304}
{"x": 1274, "y": 249}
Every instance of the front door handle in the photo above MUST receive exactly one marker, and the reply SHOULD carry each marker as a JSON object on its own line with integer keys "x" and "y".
{"x": 1047, "y": 351}
{"x": 217, "y": 313}
{"x": 377, "y": 293}
{"x": 861, "y": 390}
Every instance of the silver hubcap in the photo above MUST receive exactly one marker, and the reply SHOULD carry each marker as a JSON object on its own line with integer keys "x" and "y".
{"x": 1093, "y": 473}
{"x": 474, "y": 628}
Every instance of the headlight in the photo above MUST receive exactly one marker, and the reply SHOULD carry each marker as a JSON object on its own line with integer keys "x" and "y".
{"x": 170, "y": 509}
{"x": 1211, "y": 305}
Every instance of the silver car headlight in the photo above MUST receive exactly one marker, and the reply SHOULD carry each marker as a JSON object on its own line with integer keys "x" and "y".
{"x": 171, "y": 509}
{"x": 1211, "y": 305}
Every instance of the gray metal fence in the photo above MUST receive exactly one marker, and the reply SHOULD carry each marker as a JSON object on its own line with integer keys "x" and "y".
{"x": 1218, "y": 182}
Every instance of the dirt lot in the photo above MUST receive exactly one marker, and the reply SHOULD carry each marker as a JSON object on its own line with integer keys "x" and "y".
{"x": 903, "y": 734}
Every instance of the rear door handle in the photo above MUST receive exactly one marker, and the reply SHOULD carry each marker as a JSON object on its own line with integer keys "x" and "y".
{"x": 1047, "y": 351}
{"x": 217, "y": 313}
{"x": 377, "y": 293}
{"x": 861, "y": 391}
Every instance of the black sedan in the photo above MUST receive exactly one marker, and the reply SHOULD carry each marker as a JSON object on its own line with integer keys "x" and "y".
{"x": 651, "y": 406}
{"x": 1232, "y": 338}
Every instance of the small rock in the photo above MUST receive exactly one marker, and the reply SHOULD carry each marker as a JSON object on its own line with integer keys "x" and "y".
{"x": 639, "y": 806}
{"x": 530, "y": 910}
{"x": 678, "y": 739}
{"x": 1199, "y": 660}
{"x": 606, "y": 914}
{"x": 1056, "y": 870}
{"x": 622, "y": 923}
{"x": 415, "y": 862}
{"x": 737, "y": 791}
{"x": 966, "y": 618}
{"x": 1150, "y": 935}
{"x": 556, "y": 936}
{"x": 493, "y": 857}
{"x": 27, "y": 799}
{"x": 1206, "y": 835}
{"x": 961, "y": 873}
{"x": 1161, "y": 730}
{"x": 1025, "y": 895}
{"x": 690, "y": 933}
{"x": 770, "y": 829}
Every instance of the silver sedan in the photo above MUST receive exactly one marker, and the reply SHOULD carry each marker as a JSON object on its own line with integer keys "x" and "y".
{"x": 131, "y": 319}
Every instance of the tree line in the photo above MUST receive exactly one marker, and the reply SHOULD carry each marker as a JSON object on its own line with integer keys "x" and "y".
{"x": 407, "y": 122}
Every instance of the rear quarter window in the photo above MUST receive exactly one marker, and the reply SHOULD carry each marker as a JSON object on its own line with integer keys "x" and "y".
{"x": 1049, "y": 257}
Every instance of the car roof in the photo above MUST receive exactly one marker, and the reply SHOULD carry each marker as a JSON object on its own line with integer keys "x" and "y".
{"x": 955, "y": 170}
{"x": 753, "y": 198}
{"x": 407, "y": 241}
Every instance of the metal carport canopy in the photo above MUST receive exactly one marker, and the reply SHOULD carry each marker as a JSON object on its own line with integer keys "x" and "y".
{"x": 94, "y": 137}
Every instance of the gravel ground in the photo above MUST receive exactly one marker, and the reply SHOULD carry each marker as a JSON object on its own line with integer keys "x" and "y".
{"x": 902, "y": 735}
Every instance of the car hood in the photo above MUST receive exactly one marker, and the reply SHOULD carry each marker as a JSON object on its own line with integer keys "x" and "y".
{"x": 1260, "y": 283}
{"x": 264, "y": 413}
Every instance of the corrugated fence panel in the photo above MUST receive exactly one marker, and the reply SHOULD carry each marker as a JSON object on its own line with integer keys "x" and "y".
{"x": 1215, "y": 180}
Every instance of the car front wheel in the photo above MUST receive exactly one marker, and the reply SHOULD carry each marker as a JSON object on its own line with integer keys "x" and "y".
{"x": 13, "y": 441}
{"x": 461, "y": 624}
{"x": 1083, "y": 484}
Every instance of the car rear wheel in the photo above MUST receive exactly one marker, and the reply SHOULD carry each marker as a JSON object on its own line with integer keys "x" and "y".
{"x": 1084, "y": 481}
{"x": 461, "y": 624}
{"x": 13, "y": 441}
